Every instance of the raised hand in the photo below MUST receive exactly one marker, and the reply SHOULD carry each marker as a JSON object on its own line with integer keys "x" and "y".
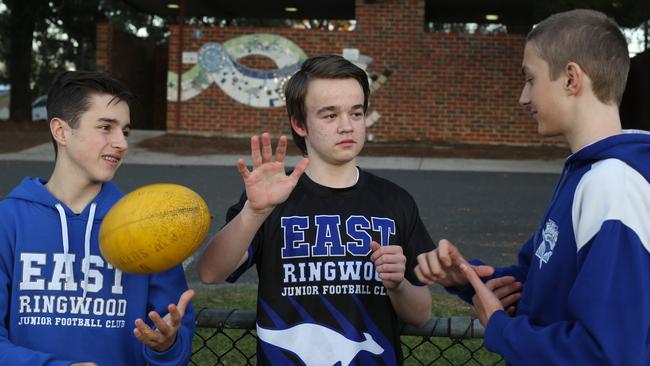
{"x": 441, "y": 266}
{"x": 164, "y": 336}
{"x": 485, "y": 301}
{"x": 268, "y": 185}
{"x": 390, "y": 263}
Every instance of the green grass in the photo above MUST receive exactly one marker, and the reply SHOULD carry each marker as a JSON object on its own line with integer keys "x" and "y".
{"x": 235, "y": 346}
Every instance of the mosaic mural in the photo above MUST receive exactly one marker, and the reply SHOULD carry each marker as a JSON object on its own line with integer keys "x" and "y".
{"x": 218, "y": 63}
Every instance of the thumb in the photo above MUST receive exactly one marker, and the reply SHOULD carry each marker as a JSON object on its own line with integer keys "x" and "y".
{"x": 484, "y": 270}
{"x": 374, "y": 246}
{"x": 185, "y": 298}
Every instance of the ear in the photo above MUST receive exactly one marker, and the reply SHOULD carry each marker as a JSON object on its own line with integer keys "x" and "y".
{"x": 300, "y": 128}
{"x": 58, "y": 128}
{"x": 575, "y": 78}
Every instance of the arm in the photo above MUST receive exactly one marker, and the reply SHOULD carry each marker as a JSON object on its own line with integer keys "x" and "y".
{"x": 266, "y": 187}
{"x": 411, "y": 303}
{"x": 609, "y": 325}
{"x": 167, "y": 340}
{"x": 607, "y": 318}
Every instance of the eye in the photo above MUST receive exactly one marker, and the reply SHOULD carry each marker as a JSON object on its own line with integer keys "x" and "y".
{"x": 105, "y": 127}
{"x": 331, "y": 116}
{"x": 357, "y": 115}
{"x": 126, "y": 132}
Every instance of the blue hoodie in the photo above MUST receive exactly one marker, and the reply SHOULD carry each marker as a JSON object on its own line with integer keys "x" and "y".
{"x": 586, "y": 270}
{"x": 49, "y": 315}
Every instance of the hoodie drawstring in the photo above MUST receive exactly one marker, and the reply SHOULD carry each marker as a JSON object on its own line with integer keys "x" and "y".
{"x": 66, "y": 246}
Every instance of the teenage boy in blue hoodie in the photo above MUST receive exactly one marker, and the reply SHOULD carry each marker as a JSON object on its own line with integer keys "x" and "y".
{"x": 586, "y": 270}
{"x": 61, "y": 303}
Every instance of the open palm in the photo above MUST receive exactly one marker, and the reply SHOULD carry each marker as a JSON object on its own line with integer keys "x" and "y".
{"x": 268, "y": 185}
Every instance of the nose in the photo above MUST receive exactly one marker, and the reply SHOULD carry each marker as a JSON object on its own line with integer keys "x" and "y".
{"x": 119, "y": 141}
{"x": 345, "y": 124}
{"x": 524, "y": 97}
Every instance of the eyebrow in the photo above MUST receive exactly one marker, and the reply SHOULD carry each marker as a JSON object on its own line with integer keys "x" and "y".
{"x": 524, "y": 70}
{"x": 332, "y": 108}
{"x": 113, "y": 121}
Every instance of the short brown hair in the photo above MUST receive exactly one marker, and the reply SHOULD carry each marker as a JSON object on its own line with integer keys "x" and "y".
{"x": 590, "y": 39}
{"x": 319, "y": 67}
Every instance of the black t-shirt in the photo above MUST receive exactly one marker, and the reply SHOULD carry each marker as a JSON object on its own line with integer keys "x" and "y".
{"x": 319, "y": 297}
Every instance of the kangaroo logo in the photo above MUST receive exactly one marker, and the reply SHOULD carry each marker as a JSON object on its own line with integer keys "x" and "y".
{"x": 549, "y": 238}
{"x": 317, "y": 345}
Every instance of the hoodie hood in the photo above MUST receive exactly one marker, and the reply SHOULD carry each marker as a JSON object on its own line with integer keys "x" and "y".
{"x": 631, "y": 147}
{"x": 33, "y": 190}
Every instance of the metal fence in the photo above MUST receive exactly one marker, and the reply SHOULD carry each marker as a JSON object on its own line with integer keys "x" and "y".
{"x": 227, "y": 337}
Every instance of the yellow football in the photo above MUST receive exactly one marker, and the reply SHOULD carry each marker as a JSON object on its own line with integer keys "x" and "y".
{"x": 154, "y": 228}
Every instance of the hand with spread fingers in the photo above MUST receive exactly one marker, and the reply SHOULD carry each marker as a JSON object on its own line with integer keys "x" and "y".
{"x": 390, "y": 263}
{"x": 441, "y": 266}
{"x": 485, "y": 301}
{"x": 268, "y": 185}
{"x": 164, "y": 334}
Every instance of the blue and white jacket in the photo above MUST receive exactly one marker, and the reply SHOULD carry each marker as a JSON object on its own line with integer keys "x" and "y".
{"x": 61, "y": 302}
{"x": 586, "y": 270}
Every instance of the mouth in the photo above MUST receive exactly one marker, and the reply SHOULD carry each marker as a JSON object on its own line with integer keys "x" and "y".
{"x": 346, "y": 142}
{"x": 112, "y": 159}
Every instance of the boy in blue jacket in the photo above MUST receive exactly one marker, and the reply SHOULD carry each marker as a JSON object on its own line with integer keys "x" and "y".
{"x": 61, "y": 303}
{"x": 586, "y": 270}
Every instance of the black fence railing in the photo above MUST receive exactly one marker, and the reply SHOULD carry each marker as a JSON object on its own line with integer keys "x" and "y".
{"x": 227, "y": 337}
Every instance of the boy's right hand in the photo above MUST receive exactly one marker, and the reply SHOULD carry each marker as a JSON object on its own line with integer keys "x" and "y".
{"x": 441, "y": 266}
{"x": 268, "y": 184}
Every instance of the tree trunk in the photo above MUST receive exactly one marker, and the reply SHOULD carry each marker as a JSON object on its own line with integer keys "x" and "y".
{"x": 19, "y": 62}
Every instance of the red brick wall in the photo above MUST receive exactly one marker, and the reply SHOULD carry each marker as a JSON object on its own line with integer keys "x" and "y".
{"x": 444, "y": 87}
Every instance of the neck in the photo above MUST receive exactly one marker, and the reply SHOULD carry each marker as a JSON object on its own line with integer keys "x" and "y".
{"x": 594, "y": 123}
{"x": 75, "y": 192}
{"x": 333, "y": 176}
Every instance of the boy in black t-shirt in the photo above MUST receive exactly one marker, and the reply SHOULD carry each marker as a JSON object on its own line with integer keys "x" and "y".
{"x": 335, "y": 247}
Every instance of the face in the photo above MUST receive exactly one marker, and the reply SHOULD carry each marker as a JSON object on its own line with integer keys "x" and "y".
{"x": 336, "y": 126}
{"x": 542, "y": 97}
{"x": 96, "y": 148}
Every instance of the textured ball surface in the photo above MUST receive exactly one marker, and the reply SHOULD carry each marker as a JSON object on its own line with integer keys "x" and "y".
{"x": 154, "y": 228}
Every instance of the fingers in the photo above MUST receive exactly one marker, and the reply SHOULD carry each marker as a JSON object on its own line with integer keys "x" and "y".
{"x": 484, "y": 270}
{"x": 144, "y": 333}
{"x": 448, "y": 253}
{"x": 267, "y": 151}
{"x": 474, "y": 279}
{"x": 281, "y": 150}
{"x": 256, "y": 156}
{"x": 507, "y": 289}
{"x": 243, "y": 169}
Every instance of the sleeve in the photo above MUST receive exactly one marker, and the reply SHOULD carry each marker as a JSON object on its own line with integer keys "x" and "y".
{"x": 11, "y": 354}
{"x": 417, "y": 240}
{"x": 609, "y": 321}
{"x": 166, "y": 288}
{"x": 252, "y": 249}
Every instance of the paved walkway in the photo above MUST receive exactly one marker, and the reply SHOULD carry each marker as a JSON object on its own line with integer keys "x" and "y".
{"x": 139, "y": 155}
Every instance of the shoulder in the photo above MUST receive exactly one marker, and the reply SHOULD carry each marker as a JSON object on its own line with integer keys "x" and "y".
{"x": 611, "y": 190}
{"x": 385, "y": 187}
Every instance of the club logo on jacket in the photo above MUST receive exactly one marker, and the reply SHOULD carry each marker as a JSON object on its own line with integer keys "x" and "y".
{"x": 549, "y": 238}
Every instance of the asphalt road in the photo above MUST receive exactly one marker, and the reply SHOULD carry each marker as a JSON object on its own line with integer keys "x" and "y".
{"x": 488, "y": 215}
